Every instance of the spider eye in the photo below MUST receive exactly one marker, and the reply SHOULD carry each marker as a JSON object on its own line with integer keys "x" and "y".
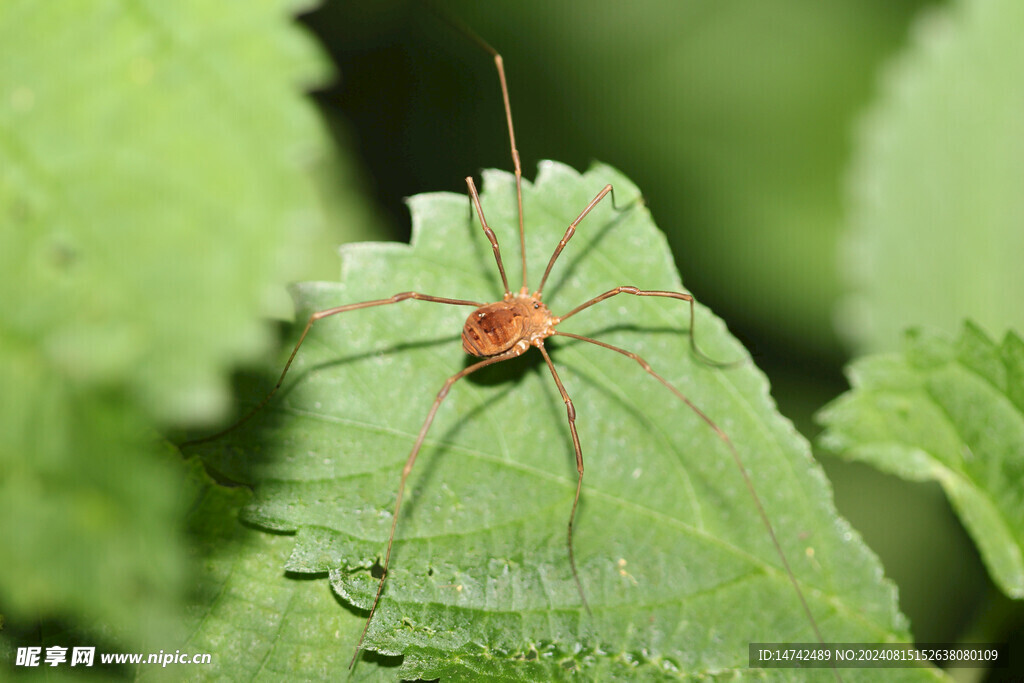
{"x": 536, "y": 305}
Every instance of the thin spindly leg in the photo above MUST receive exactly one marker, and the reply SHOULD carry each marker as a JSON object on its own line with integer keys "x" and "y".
{"x": 500, "y": 65}
{"x": 319, "y": 315}
{"x": 626, "y": 289}
{"x": 571, "y": 230}
{"x": 735, "y": 456}
{"x": 475, "y": 198}
{"x": 512, "y": 353}
{"x": 571, "y": 413}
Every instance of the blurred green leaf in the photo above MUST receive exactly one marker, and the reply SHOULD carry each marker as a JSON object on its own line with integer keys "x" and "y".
{"x": 152, "y": 195}
{"x": 952, "y": 412}
{"x": 151, "y": 188}
{"x": 741, "y": 116}
{"x": 88, "y": 511}
{"x": 936, "y": 203}
{"x": 671, "y": 551}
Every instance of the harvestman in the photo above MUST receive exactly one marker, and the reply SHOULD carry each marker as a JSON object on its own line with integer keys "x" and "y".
{"x": 506, "y": 329}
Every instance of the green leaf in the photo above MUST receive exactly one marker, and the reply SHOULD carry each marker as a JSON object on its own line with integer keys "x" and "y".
{"x": 934, "y": 233}
{"x": 671, "y": 552}
{"x": 256, "y": 622}
{"x": 952, "y": 412}
{"x": 151, "y": 199}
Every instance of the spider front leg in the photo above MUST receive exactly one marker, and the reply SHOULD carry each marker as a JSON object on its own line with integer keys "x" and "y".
{"x": 474, "y": 198}
{"x": 571, "y": 230}
{"x": 319, "y": 315}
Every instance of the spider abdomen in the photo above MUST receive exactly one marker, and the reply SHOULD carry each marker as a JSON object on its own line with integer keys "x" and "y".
{"x": 493, "y": 329}
{"x": 496, "y": 328}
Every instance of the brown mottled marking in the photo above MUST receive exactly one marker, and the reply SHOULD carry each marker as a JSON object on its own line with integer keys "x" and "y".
{"x": 517, "y": 321}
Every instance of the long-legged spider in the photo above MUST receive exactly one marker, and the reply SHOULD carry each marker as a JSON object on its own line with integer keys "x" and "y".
{"x": 506, "y": 329}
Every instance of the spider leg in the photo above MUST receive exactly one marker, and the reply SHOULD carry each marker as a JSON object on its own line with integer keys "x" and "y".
{"x": 682, "y": 296}
{"x": 735, "y": 456}
{"x": 571, "y": 230}
{"x": 511, "y": 353}
{"x": 475, "y": 198}
{"x": 571, "y": 413}
{"x": 499, "y": 63}
{"x": 318, "y": 315}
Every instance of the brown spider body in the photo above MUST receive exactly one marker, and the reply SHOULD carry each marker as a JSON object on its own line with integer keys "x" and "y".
{"x": 516, "y": 322}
